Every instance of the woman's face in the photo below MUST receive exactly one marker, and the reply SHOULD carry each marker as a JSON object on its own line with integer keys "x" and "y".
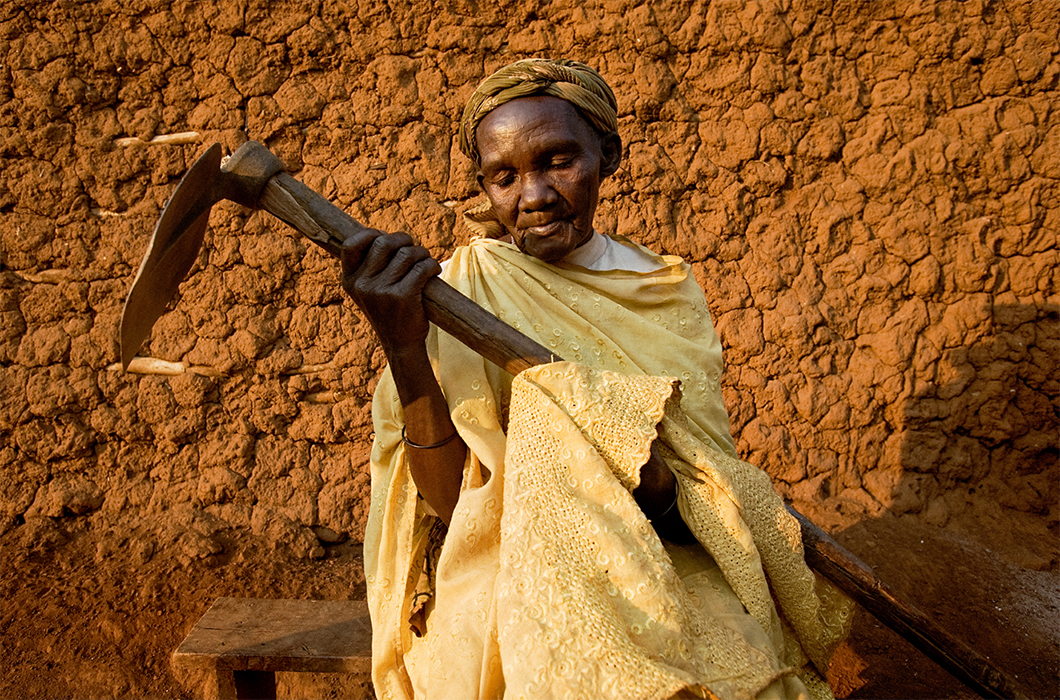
{"x": 541, "y": 167}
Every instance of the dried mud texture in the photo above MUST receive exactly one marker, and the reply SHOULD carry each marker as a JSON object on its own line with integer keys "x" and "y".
{"x": 867, "y": 191}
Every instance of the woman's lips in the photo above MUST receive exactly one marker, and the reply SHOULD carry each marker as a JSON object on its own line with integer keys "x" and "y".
{"x": 545, "y": 230}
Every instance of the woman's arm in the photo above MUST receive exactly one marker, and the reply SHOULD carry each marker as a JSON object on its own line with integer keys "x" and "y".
{"x": 385, "y": 275}
{"x": 657, "y": 497}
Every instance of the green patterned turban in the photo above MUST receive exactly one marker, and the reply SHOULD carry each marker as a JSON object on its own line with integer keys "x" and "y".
{"x": 574, "y": 82}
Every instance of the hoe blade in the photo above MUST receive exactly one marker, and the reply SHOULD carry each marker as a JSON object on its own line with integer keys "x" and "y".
{"x": 171, "y": 252}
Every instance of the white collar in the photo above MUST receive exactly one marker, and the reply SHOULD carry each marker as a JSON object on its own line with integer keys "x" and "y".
{"x": 589, "y": 252}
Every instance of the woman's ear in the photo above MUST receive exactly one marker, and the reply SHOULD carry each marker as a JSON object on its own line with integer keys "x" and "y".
{"x": 611, "y": 154}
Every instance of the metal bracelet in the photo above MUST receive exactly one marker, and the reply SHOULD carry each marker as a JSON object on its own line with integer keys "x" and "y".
{"x": 677, "y": 495}
{"x": 446, "y": 441}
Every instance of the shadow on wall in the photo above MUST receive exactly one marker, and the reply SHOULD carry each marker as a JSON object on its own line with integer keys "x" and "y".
{"x": 970, "y": 535}
{"x": 980, "y": 445}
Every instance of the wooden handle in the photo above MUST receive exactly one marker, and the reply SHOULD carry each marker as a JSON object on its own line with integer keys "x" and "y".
{"x": 328, "y": 226}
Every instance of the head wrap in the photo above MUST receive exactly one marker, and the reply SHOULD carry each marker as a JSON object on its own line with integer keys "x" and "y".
{"x": 574, "y": 82}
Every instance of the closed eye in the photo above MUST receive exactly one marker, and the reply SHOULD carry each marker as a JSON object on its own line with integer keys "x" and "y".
{"x": 503, "y": 179}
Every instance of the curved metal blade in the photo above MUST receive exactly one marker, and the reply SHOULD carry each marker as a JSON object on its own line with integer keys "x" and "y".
{"x": 172, "y": 250}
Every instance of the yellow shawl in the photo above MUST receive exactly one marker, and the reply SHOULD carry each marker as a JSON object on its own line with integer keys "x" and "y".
{"x": 551, "y": 582}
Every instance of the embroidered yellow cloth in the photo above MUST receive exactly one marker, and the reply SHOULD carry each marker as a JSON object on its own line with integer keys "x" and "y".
{"x": 550, "y": 582}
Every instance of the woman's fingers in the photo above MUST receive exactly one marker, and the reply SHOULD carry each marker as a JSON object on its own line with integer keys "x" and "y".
{"x": 387, "y": 260}
{"x": 390, "y": 263}
{"x": 354, "y": 249}
{"x": 385, "y": 275}
{"x": 378, "y": 255}
{"x": 419, "y": 271}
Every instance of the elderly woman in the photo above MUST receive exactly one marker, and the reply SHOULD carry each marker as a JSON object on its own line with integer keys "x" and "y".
{"x": 520, "y": 541}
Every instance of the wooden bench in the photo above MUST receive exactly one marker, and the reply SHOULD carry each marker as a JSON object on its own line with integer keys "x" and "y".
{"x": 245, "y": 641}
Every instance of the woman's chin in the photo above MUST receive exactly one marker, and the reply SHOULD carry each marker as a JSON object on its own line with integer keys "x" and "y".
{"x": 547, "y": 249}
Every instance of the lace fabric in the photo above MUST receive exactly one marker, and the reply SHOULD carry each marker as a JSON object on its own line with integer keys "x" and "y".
{"x": 734, "y": 512}
{"x": 583, "y": 575}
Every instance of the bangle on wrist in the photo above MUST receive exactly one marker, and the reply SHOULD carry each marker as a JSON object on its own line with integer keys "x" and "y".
{"x": 677, "y": 494}
{"x": 446, "y": 441}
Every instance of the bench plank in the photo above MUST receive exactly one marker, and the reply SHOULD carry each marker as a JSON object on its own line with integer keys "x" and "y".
{"x": 253, "y": 634}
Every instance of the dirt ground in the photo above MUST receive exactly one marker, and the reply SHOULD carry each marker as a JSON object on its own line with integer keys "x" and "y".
{"x": 94, "y": 614}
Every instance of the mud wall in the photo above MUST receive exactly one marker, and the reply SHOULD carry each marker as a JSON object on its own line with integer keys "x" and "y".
{"x": 868, "y": 193}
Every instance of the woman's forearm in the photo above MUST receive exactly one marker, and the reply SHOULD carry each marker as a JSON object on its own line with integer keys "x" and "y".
{"x": 436, "y": 454}
{"x": 657, "y": 498}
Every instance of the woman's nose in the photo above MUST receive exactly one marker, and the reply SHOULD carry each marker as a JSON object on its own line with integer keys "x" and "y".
{"x": 537, "y": 193}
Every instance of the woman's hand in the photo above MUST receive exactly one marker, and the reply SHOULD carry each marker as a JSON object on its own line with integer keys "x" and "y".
{"x": 385, "y": 275}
